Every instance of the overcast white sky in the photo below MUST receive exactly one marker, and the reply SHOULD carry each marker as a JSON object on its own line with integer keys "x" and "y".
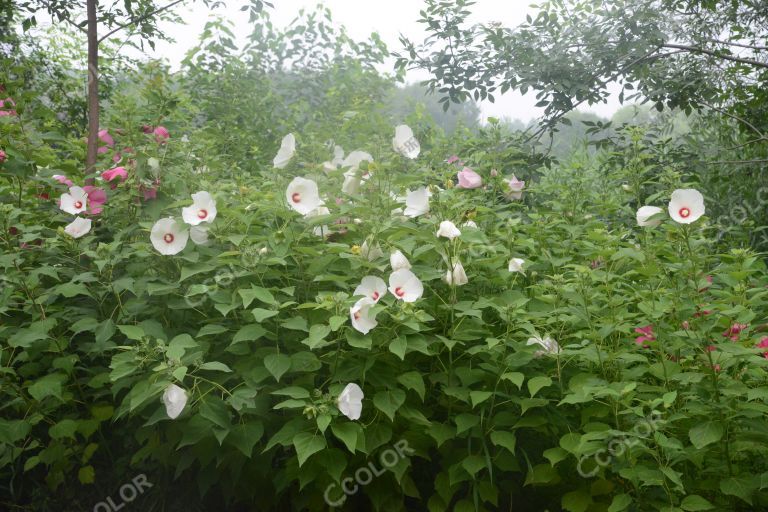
{"x": 389, "y": 18}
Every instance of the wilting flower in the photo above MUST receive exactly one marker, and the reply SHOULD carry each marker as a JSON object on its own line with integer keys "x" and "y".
{"x": 646, "y": 335}
{"x": 417, "y": 202}
{"x": 338, "y": 158}
{"x": 199, "y": 234}
{"x": 644, "y": 214}
{"x": 456, "y": 275}
{"x": 469, "y": 178}
{"x": 350, "y": 401}
{"x": 404, "y": 285}
{"x": 353, "y": 177}
{"x": 516, "y": 265}
{"x": 734, "y": 331}
{"x": 117, "y": 172}
{"x": 169, "y": 236}
{"x": 161, "y": 134}
{"x": 764, "y": 344}
{"x": 175, "y": 399}
{"x": 494, "y": 173}
{"x": 470, "y": 224}
{"x": 448, "y": 229}
{"x": 302, "y": 195}
{"x": 362, "y": 320}
{"x": 686, "y": 205}
{"x": 203, "y": 209}
{"x": 96, "y": 199}
{"x": 516, "y": 188}
{"x": 286, "y": 152}
{"x": 3, "y": 156}
{"x": 371, "y": 287}
{"x": 78, "y": 227}
{"x": 405, "y": 143}
{"x": 452, "y": 159}
{"x": 398, "y": 260}
{"x": 549, "y": 345}
{"x": 319, "y": 212}
{"x": 107, "y": 139}
{"x": 371, "y": 252}
{"x": 74, "y": 202}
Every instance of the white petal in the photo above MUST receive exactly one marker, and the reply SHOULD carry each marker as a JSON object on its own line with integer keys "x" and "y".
{"x": 203, "y": 209}
{"x": 516, "y": 265}
{"x": 175, "y": 399}
{"x": 398, "y": 260}
{"x": 372, "y": 287}
{"x": 350, "y": 401}
{"x": 199, "y": 234}
{"x": 286, "y": 152}
{"x": 168, "y": 236}
{"x": 686, "y": 205}
{"x": 646, "y": 212}
{"x": 405, "y": 143}
{"x": 371, "y": 252}
{"x": 404, "y": 284}
{"x": 417, "y": 202}
{"x": 78, "y": 227}
{"x": 448, "y": 230}
{"x": 456, "y": 276}
{"x": 360, "y": 316}
{"x": 302, "y": 195}
{"x": 74, "y": 202}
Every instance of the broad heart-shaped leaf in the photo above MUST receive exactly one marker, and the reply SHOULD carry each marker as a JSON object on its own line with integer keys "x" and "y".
{"x": 414, "y": 381}
{"x": 256, "y": 292}
{"x": 245, "y": 436}
{"x": 478, "y": 397}
{"x": 705, "y": 433}
{"x": 620, "y": 502}
{"x": 398, "y": 347}
{"x": 515, "y": 378}
{"x": 695, "y": 503}
{"x": 349, "y": 433}
{"x": 389, "y": 401}
{"x": 742, "y": 487}
{"x": 132, "y": 332}
{"x": 473, "y": 464}
{"x": 576, "y": 501}
{"x": 277, "y": 365}
{"x": 505, "y": 439}
{"x": 215, "y": 366}
{"x": 536, "y": 383}
{"x": 261, "y": 314}
{"x": 307, "y": 444}
{"x": 178, "y": 346}
{"x": 248, "y": 332}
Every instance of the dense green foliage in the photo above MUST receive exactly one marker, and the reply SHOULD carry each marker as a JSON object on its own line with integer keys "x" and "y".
{"x": 655, "y": 399}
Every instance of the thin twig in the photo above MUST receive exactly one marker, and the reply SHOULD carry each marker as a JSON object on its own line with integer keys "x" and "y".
{"x": 734, "y": 116}
{"x": 695, "y": 49}
{"x": 139, "y": 19}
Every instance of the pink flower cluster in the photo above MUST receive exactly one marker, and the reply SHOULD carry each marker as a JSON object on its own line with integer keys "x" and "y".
{"x": 96, "y": 196}
{"x": 7, "y": 108}
{"x": 764, "y": 344}
{"x": 161, "y": 133}
{"x": 646, "y": 335}
{"x": 734, "y": 331}
{"x": 3, "y": 156}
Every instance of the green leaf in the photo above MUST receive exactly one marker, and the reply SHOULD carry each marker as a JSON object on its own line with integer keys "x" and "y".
{"x": 473, "y": 464}
{"x": 86, "y": 475}
{"x": 256, "y": 292}
{"x": 576, "y": 501}
{"x": 49, "y": 385}
{"x": 389, "y": 401}
{"x": 414, "y": 381}
{"x": 216, "y": 366}
{"x": 307, "y": 444}
{"x": 348, "y": 433}
{"x": 504, "y": 439}
{"x": 620, "y": 502}
{"x": 705, "y": 433}
{"x": 695, "y": 502}
{"x": 536, "y": 383}
{"x": 64, "y": 428}
{"x": 132, "y": 332}
{"x": 478, "y": 397}
{"x": 261, "y": 314}
{"x": 244, "y": 436}
{"x": 179, "y": 345}
{"x": 293, "y": 392}
{"x": 317, "y": 334}
{"x": 466, "y": 421}
{"x": 277, "y": 365}
{"x": 296, "y": 323}
{"x": 741, "y": 487}
{"x": 250, "y": 332}
{"x": 217, "y": 412}
{"x": 515, "y": 378}
{"x": 12, "y": 431}
{"x": 398, "y": 347}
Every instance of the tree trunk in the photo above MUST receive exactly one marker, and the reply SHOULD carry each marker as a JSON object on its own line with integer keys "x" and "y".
{"x": 93, "y": 88}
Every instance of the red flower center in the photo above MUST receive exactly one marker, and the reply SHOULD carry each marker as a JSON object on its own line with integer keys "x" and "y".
{"x": 399, "y": 292}
{"x": 296, "y": 197}
{"x": 78, "y": 204}
{"x": 376, "y": 295}
{"x": 201, "y": 214}
{"x": 685, "y": 212}
{"x": 168, "y": 238}
{"x": 357, "y": 315}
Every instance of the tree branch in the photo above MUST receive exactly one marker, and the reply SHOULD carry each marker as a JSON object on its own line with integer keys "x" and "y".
{"x": 138, "y": 19}
{"x": 740, "y": 45}
{"x": 694, "y": 49}
{"x": 734, "y": 116}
